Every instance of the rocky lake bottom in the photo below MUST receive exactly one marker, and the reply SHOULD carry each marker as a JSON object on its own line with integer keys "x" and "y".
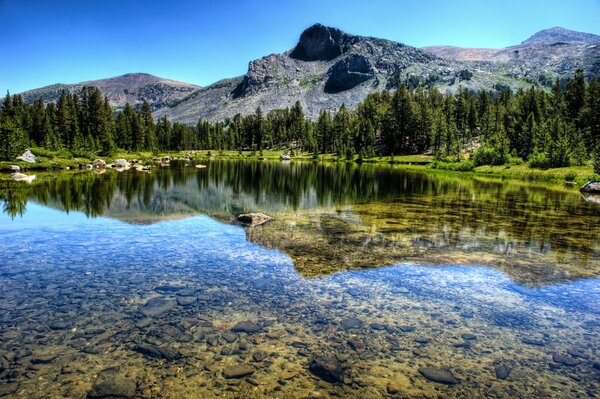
{"x": 193, "y": 307}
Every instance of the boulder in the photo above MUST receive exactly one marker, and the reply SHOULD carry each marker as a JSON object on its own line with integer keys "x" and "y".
{"x": 238, "y": 371}
{"x": 15, "y": 168}
{"x": 591, "y": 187}
{"x": 27, "y": 157}
{"x": 99, "y": 163}
{"x": 439, "y": 375}
{"x": 247, "y": 327}
{"x": 165, "y": 159}
{"x": 157, "y": 306}
{"x": 112, "y": 384}
{"x": 285, "y": 157}
{"x": 253, "y": 219}
{"x": 122, "y": 163}
{"x": 157, "y": 352}
{"x": 200, "y": 166}
{"x": 326, "y": 368}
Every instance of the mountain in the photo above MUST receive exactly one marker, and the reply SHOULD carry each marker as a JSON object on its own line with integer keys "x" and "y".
{"x": 328, "y": 68}
{"x": 132, "y": 88}
{"x": 545, "y": 55}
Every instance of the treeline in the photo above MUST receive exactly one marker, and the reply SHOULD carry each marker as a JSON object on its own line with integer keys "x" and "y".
{"x": 552, "y": 128}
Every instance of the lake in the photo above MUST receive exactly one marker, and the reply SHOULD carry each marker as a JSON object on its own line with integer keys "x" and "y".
{"x": 368, "y": 282}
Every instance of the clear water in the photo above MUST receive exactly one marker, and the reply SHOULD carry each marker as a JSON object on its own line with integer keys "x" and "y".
{"x": 376, "y": 272}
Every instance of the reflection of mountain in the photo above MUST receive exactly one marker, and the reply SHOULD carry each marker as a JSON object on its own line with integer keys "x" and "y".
{"x": 331, "y": 217}
{"x": 362, "y": 236}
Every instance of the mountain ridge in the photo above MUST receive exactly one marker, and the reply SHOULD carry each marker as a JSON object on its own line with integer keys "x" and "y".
{"x": 329, "y": 67}
{"x": 132, "y": 88}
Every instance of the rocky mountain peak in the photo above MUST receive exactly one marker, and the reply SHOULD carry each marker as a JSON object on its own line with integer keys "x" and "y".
{"x": 561, "y": 35}
{"x": 320, "y": 42}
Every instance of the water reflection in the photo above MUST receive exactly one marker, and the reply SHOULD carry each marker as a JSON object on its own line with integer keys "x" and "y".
{"x": 330, "y": 218}
{"x": 125, "y": 306}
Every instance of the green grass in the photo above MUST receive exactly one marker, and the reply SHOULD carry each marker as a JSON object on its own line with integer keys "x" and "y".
{"x": 422, "y": 163}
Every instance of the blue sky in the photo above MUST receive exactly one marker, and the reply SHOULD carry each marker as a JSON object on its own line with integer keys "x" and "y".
{"x": 45, "y": 42}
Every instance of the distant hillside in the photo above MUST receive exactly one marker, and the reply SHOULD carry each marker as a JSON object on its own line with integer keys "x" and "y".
{"x": 544, "y": 56}
{"x": 132, "y": 88}
{"x": 329, "y": 67}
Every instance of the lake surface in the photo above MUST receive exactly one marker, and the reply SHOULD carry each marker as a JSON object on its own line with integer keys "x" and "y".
{"x": 368, "y": 282}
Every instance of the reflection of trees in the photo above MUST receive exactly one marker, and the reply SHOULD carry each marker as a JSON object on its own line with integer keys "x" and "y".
{"x": 431, "y": 205}
{"x": 14, "y": 202}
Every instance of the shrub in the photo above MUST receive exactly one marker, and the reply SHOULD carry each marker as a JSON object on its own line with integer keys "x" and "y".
{"x": 570, "y": 176}
{"x": 463, "y": 166}
{"x": 487, "y": 155}
{"x": 539, "y": 160}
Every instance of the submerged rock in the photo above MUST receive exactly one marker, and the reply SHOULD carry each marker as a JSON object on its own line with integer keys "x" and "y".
{"x": 435, "y": 374}
{"x": 156, "y": 306}
{"x": 8, "y": 388}
{"x": 350, "y": 323}
{"x": 27, "y": 156}
{"x": 158, "y": 352}
{"x": 502, "y": 371}
{"x": 238, "y": 371}
{"x": 253, "y": 219}
{"x": 326, "y": 368}
{"x": 248, "y": 327}
{"x": 112, "y": 384}
{"x": 566, "y": 360}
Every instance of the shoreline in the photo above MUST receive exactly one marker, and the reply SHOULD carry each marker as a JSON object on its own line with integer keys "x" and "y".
{"x": 574, "y": 176}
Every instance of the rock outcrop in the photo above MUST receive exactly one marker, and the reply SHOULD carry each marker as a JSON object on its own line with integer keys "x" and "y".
{"x": 27, "y": 157}
{"x": 328, "y": 68}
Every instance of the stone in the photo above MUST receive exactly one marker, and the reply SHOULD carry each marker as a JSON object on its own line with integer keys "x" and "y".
{"x": 238, "y": 371}
{"x": 112, "y": 384}
{"x": 186, "y": 300}
{"x": 378, "y": 326}
{"x": 468, "y": 337}
{"x": 578, "y": 352}
{"x": 247, "y": 327}
{"x": 253, "y": 219}
{"x": 200, "y": 166}
{"x": 15, "y": 168}
{"x": 326, "y": 368}
{"x": 157, "y": 306}
{"x": 566, "y": 360}
{"x": 357, "y": 345}
{"x": 502, "y": 371}
{"x": 259, "y": 356}
{"x": 285, "y": 157}
{"x": 591, "y": 187}
{"x": 406, "y": 329}
{"x": 351, "y": 323}
{"x": 158, "y": 352}
{"x": 27, "y": 156}
{"x": 122, "y": 163}
{"x": 8, "y": 388}
{"x": 534, "y": 342}
{"x": 435, "y": 374}
{"x": 99, "y": 163}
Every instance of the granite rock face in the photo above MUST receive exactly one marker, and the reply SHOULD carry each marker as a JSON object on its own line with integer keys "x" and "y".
{"x": 329, "y": 67}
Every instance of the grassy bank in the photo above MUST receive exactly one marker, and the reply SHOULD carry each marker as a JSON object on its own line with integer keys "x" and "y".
{"x": 63, "y": 160}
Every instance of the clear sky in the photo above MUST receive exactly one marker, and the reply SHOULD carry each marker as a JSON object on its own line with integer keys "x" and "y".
{"x": 45, "y": 42}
